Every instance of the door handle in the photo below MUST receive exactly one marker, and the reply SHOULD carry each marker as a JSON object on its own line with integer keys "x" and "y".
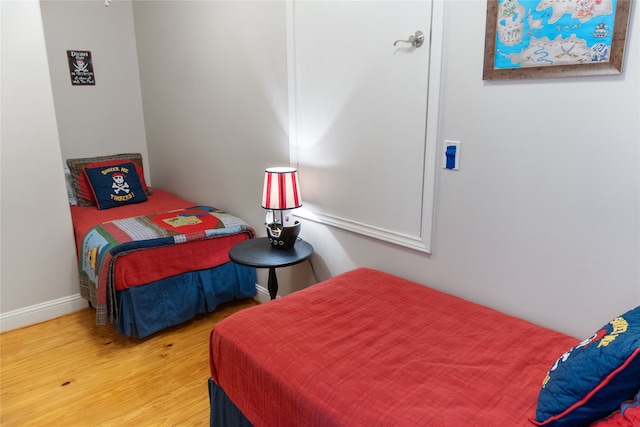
{"x": 415, "y": 39}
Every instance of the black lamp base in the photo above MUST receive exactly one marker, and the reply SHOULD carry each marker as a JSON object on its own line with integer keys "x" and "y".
{"x": 282, "y": 237}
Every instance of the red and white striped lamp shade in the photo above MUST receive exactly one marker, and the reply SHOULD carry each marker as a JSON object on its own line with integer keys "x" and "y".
{"x": 281, "y": 189}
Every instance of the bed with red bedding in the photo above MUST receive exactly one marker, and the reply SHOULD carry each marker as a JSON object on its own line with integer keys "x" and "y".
{"x": 366, "y": 348}
{"x": 157, "y": 262}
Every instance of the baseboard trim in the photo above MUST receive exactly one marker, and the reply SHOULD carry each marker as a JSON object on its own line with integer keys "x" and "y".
{"x": 51, "y": 309}
{"x": 41, "y": 312}
{"x": 262, "y": 294}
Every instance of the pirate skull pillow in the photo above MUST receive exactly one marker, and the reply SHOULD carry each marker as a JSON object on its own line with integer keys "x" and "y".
{"x": 115, "y": 185}
{"x": 79, "y": 180}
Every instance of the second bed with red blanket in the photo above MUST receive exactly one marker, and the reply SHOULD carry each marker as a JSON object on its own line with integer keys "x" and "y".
{"x": 366, "y": 348}
{"x": 156, "y": 264}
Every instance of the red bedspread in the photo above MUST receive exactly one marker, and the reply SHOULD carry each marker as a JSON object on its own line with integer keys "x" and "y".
{"x": 369, "y": 349}
{"x": 138, "y": 268}
{"x": 85, "y": 217}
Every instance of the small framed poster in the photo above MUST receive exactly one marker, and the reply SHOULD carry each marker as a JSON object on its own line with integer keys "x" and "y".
{"x": 81, "y": 68}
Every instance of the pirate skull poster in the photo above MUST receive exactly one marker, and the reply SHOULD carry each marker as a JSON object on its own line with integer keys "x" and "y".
{"x": 81, "y": 68}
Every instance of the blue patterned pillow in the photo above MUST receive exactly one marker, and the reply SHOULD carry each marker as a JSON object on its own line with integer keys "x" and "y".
{"x": 591, "y": 380}
{"x": 115, "y": 185}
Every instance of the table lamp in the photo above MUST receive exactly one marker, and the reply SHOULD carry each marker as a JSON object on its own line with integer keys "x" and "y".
{"x": 281, "y": 194}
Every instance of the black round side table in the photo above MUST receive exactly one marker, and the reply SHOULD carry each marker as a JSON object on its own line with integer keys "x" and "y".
{"x": 259, "y": 253}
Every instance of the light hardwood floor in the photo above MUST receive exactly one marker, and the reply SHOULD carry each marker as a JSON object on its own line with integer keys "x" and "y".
{"x": 70, "y": 372}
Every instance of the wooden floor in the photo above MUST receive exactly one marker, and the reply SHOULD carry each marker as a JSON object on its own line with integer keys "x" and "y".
{"x": 70, "y": 372}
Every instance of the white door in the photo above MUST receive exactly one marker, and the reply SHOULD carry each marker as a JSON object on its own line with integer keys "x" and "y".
{"x": 361, "y": 114}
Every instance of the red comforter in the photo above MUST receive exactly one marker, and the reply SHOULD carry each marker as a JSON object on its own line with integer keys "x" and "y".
{"x": 140, "y": 267}
{"x": 369, "y": 349}
{"x": 85, "y": 217}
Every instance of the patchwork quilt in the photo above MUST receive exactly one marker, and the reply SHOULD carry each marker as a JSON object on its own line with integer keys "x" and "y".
{"x": 104, "y": 244}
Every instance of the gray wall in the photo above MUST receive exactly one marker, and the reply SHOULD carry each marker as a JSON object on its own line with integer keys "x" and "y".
{"x": 105, "y": 118}
{"x": 38, "y": 266}
{"x": 542, "y": 220}
{"x": 215, "y": 98}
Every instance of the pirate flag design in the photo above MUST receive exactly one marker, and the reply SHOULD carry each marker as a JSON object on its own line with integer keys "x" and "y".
{"x": 115, "y": 185}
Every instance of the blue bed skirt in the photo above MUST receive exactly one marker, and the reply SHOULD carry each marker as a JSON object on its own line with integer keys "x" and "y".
{"x": 143, "y": 310}
{"x": 223, "y": 412}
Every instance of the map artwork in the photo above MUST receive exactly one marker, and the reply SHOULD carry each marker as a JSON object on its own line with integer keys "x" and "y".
{"x": 537, "y": 33}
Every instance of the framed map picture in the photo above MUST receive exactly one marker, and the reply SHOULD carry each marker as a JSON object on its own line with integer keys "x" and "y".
{"x": 554, "y": 38}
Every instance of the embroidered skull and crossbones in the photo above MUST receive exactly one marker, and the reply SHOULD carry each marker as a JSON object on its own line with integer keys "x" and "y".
{"x": 119, "y": 184}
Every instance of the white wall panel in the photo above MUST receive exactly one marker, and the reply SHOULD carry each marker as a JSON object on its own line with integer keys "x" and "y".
{"x": 364, "y": 135}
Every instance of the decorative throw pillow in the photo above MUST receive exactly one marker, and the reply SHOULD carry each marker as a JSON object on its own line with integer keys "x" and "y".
{"x": 627, "y": 416}
{"x": 116, "y": 185}
{"x": 85, "y": 189}
{"x": 592, "y": 380}
{"x": 79, "y": 181}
